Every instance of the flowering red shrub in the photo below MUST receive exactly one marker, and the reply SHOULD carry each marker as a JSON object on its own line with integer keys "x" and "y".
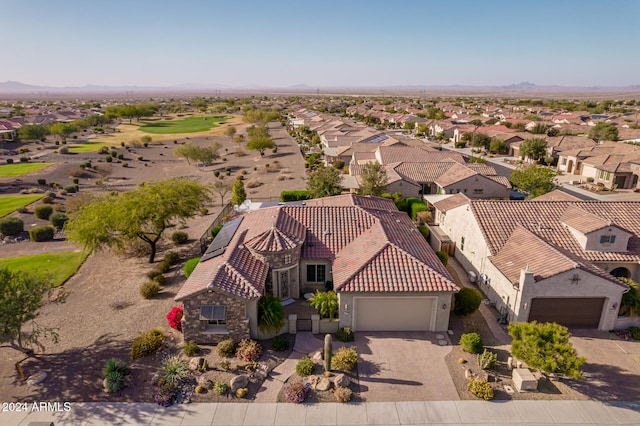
{"x": 175, "y": 317}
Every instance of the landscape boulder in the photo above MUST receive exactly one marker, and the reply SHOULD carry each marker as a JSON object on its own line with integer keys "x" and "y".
{"x": 341, "y": 381}
{"x": 324, "y": 384}
{"x": 238, "y": 382}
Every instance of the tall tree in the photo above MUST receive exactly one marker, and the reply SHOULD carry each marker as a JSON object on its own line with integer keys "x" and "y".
{"x": 222, "y": 188}
{"x": 373, "y": 179}
{"x": 230, "y": 131}
{"x": 546, "y": 347}
{"x": 260, "y": 144}
{"x": 32, "y": 132}
{"x": 534, "y": 180}
{"x": 603, "y": 132}
{"x": 324, "y": 182}
{"x": 116, "y": 220}
{"x": 534, "y": 148}
{"x": 62, "y": 129}
{"x": 21, "y": 297}
{"x": 238, "y": 194}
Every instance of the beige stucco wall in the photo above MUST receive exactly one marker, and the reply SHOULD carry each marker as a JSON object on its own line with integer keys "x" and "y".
{"x": 589, "y": 171}
{"x": 468, "y": 186}
{"x": 407, "y": 189}
{"x": 440, "y": 322}
{"x": 633, "y": 267}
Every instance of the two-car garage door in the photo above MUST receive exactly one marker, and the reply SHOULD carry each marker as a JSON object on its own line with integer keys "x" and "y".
{"x": 394, "y": 313}
{"x": 584, "y": 312}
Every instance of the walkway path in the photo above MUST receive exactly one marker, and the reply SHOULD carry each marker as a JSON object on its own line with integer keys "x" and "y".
{"x": 366, "y": 413}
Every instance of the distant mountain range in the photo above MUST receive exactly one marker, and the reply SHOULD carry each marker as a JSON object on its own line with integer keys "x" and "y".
{"x": 17, "y": 88}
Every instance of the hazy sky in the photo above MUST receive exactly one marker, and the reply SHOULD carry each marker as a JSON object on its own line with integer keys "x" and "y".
{"x": 320, "y": 43}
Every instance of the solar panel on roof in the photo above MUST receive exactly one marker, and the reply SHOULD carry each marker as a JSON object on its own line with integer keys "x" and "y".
{"x": 223, "y": 239}
{"x": 378, "y": 138}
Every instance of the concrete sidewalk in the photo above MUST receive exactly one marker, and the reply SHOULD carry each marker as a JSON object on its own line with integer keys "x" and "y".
{"x": 366, "y": 413}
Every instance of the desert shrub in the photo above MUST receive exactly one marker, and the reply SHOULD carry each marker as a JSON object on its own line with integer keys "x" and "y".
{"x": 295, "y": 195}
{"x": 226, "y": 348}
{"x": 163, "y": 267}
{"x": 149, "y": 289}
{"x": 11, "y": 226}
{"x": 242, "y": 392}
{"x": 179, "y": 237}
{"x": 424, "y": 230}
{"x": 280, "y": 343}
{"x": 252, "y": 183}
{"x": 174, "y": 371}
{"x": 41, "y": 233}
{"x": 345, "y": 334}
{"x": 24, "y": 159}
{"x": 171, "y": 257}
{"x": 342, "y": 394}
{"x": 345, "y": 359}
{"x": 487, "y": 360}
{"x": 153, "y": 274}
{"x": 71, "y": 189}
{"x": 219, "y": 387}
{"x": 481, "y": 389}
{"x": 248, "y": 350}
{"x": 108, "y": 159}
{"x": 190, "y": 348}
{"x": 174, "y": 317}
{"x": 9, "y": 160}
{"x": 635, "y": 332}
{"x": 190, "y": 265}
{"x": 63, "y": 150}
{"x": 460, "y": 144}
{"x": 75, "y": 181}
{"x": 114, "y": 382}
{"x": 444, "y": 258}
{"x": 295, "y": 392}
{"x": 305, "y": 367}
{"x": 225, "y": 365}
{"x": 115, "y": 364}
{"x": 166, "y": 395}
{"x": 215, "y": 230}
{"x": 160, "y": 279}
{"x": 48, "y": 199}
{"x": 147, "y": 344}
{"x": 467, "y": 301}
{"x": 417, "y": 207}
{"x": 42, "y": 181}
{"x": 43, "y": 211}
{"x": 146, "y": 138}
{"x": 58, "y": 219}
{"x": 471, "y": 342}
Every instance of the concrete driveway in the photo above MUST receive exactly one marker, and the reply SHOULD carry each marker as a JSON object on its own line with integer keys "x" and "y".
{"x": 403, "y": 366}
{"x": 612, "y": 370}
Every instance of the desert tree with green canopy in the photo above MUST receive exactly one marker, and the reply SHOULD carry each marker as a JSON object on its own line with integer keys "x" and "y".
{"x": 324, "y": 182}
{"x": 373, "y": 179}
{"x": 116, "y": 220}
{"x": 534, "y": 180}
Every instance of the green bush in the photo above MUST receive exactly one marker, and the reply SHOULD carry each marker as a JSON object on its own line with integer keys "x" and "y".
{"x": 248, "y": 350}
{"x": 402, "y": 205}
{"x": 71, "y": 189}
{"x": 41, "y": 233}
{"x": 467, "y": 301}
{"x": 215, "y": 230}
{"x": 280, "y": 343}
{"x": 226, "y": 348}
{"x": 43, "y": 211}
{"x": 180, "y": 237}
{"x": 345, "y": 359}
{"x": 305, "y": 367}
{"x": 417, "y": 207}
{"x": 171, "y": 258}
{"x": 481, "y": 389}
{"x": 635, "y": 332}
{"x": 487, "y": 360}
{"x": 153, "y": 274}
{"x": 11, "y": 226}
{"x": 190, "y": 348}
{"x": 149, "y": 289}
{"x": 115, "y": 364}
{"x": 163, "y": 266}
{"x": 147, "y": 344}
{"x": 160, "y": 279}
{"x": 424, "y": 230}
{"x": 114, "y": 382}
{"x": 58, "y": 220}
{"x": 295, "y": 195}
{"x": 471, "y": 342}
{"x": 219, "y": 387}
{"x": 42, "y": 181}
{"x": 444, "y": 258}
{"x": 460, "y": 144}
{"x": 345, "y": 334}
{"x": 190, "y": 265}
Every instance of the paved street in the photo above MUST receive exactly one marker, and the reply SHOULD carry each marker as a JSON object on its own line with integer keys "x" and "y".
{"x": 368, "y": 413}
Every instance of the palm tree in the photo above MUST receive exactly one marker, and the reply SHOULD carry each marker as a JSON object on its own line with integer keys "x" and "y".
{"x": 326, "y": 302}
{"x": 270, "y": 313}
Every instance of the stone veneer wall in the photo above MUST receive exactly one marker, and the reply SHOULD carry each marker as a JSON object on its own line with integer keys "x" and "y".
{"x": 195, "y": 329}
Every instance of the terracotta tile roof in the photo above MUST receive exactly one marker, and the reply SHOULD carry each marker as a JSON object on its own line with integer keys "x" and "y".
{"x": 498, "y": 219}
{"x": 502, "y": 180}
{"x": 456, "y": 173}
{"x": 582, "y": 221}
{"x": 556, "y": 195}
{"x": 483, "y": 169}
{"x": 451, "y": 202}
{"x": 273, "y": 239}
{"x": 422, "y": 172}
{"x": 402, "y": 153}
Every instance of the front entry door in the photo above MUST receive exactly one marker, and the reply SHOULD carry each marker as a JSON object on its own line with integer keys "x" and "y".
{"x": 284, "y": 284}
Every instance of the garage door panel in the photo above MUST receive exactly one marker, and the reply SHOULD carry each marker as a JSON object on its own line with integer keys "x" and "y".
{"x": 571, "y": 312}
{"x": 393, "y": 314}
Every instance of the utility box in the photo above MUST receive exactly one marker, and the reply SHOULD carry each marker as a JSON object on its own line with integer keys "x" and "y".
{"x": 524, "y": 380}
{"x": 472, "y": 276}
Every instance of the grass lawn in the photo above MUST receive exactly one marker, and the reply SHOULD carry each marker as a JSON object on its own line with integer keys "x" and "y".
{"x": 9, "y": 203}
{"x": 185, "y": 125}
{"x": 19, "y": 169}
{"x": 85, "y": 147}
{"x": 58, "y": 267}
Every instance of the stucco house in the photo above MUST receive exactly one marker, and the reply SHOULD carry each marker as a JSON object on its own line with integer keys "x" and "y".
{"x": 386, "y": 275}
{"x": 555, "y": 259}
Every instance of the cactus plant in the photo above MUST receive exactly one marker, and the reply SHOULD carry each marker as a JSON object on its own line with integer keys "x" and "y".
{"x": 328, "y": 353}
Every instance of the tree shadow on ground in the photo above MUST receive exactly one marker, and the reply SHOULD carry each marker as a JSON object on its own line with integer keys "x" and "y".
{"x": 606, "y": 382}
{"x": 75, "y": 374}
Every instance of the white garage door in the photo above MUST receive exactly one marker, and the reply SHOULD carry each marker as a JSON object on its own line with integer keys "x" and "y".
{"x": 394, "y": 313}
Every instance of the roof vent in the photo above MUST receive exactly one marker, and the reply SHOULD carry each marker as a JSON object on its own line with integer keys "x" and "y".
{"x": 327, "y": 232}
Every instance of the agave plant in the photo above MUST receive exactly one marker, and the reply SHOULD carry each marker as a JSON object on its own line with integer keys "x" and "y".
{"x": 174, "y": 371}
{"x": 326, "y": 302}
{"x": 270, "y": 313}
